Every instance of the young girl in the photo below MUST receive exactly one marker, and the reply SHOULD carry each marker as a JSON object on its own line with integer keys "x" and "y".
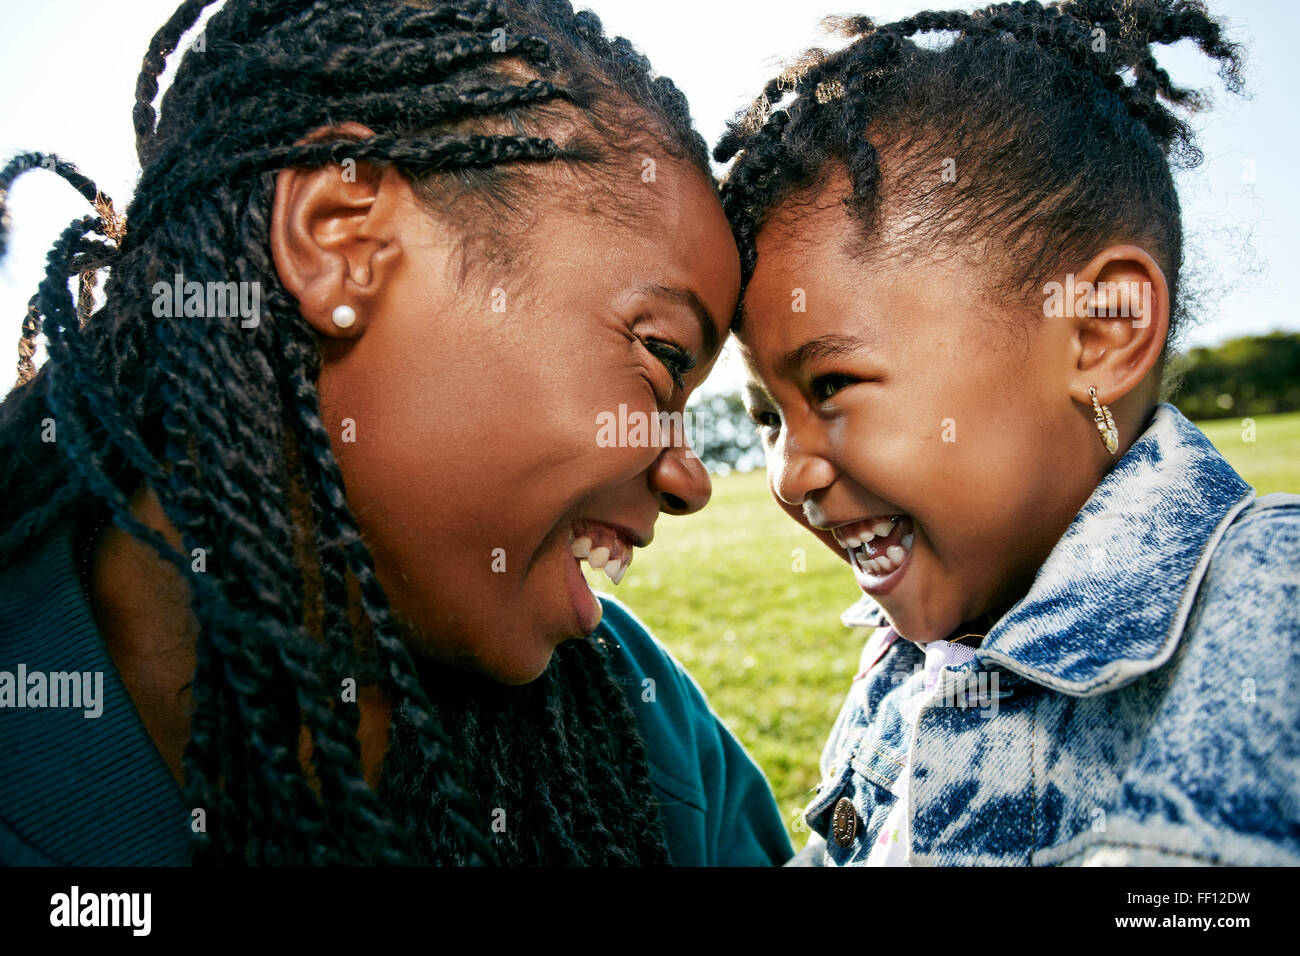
{"x": 962, "y": 267}
{"x": 406, "y": 247}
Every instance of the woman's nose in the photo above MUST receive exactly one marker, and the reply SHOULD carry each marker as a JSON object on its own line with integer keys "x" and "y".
{"x": 680, "y": 481}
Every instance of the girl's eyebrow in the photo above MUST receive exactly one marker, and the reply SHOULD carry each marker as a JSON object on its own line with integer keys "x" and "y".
{"x": 753, "y": 394}
{"x": 824, "y": 346}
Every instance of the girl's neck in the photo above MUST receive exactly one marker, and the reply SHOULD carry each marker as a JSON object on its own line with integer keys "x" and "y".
{"x": 979, "y": 627}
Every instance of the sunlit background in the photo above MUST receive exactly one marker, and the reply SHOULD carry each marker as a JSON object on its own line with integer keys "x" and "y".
{"x": 742, "y": 595}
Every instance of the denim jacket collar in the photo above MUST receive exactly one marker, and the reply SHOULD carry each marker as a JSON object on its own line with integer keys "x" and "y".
{"x": 1112, "y": 599}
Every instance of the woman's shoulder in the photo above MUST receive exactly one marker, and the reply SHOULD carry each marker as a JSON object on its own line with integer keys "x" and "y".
{"x": 81, "y": 783}
{"x": 717, "y": 803}
{"x": 639, "y": 651}
{"x": 670, "y": 707}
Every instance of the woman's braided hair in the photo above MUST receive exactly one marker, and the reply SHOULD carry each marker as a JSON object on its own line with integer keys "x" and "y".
{"x": 223, "y": 423}
{"x": 1049, "y": 117}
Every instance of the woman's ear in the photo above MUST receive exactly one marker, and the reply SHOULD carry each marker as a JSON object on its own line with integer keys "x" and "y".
{"x": 330, "y": 239}
{"x": 1119, "y": 306}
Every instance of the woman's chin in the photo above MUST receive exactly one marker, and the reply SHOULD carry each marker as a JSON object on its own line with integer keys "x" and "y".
{"x": 518, "y": 670}
{"x": 503, "y": 653}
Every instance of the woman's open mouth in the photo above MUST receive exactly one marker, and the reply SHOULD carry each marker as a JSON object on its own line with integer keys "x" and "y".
{"x": 879, "y": 549}
{"x": 604, "y": 548}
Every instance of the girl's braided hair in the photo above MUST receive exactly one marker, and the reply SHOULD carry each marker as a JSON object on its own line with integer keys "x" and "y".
{"x": 223, "y": 423}
{"x": 1047, "y": 117}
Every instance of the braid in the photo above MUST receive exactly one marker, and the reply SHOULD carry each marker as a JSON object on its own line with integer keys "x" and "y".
{"x": 564, "y": 807}
{"x": 155, "y": 62}
{"x": 419, "y": 159}
{"x": 1025, "y": 93}
{"x": 28, "y": 161}
{"x": 222, "y": 422}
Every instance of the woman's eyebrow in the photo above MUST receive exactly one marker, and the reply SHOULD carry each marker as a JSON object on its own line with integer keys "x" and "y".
{"x": 692, "y": 301}
{"x": 824, "y": 346}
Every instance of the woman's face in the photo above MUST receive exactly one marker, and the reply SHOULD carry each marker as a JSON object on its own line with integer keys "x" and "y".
{"x": 475, "y": 393}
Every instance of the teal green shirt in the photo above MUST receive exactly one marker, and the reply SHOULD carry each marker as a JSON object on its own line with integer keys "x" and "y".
{"x": 716, "y": 803}
{"x": 93, "y": 791}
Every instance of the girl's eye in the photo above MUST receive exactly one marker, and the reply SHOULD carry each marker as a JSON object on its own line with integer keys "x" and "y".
{"x": 677, "y": 360}
{"x": 764, "y": 419}
{"x": 824, "y": 386}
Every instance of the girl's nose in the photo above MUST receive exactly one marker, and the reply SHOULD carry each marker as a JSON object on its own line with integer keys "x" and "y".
{"x": 795, "y": 472}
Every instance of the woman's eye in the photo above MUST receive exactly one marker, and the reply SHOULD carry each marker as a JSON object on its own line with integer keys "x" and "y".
{"x": 677, "y": 360}
{"x": 824, "y": 386}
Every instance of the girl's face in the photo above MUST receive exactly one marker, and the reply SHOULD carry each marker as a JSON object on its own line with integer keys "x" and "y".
{"x": 476, "y": 453}
{"x": 908, "y": 413}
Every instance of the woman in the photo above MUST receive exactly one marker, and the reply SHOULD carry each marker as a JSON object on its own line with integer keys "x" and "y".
{"x": 327, "y": 537}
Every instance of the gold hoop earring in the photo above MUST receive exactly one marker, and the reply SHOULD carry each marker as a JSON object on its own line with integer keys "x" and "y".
{"x": 1105, "y": 423}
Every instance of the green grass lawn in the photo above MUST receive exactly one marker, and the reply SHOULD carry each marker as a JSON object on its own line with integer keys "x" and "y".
{"x": 1272, "y": 461}
{"x": 765, "y": 641}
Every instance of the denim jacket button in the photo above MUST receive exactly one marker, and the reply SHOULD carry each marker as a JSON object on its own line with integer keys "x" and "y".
{"x": 845, "y": 822}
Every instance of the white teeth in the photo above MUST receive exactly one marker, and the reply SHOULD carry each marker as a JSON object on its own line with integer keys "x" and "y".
{"x": 599, "y": 559}
{"x": 614, "y": 571}
{"x": 852, "y": 542}
{"x": 893, "y": 557}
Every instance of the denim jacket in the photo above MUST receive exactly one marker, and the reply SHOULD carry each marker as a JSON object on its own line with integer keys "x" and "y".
{"x": 1138, "y": 705}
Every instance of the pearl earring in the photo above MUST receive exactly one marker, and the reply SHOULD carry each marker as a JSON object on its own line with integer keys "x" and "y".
{"x": 344, "y": 316}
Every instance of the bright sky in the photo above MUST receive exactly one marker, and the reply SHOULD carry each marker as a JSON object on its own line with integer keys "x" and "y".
{"x": 69, "y": 68}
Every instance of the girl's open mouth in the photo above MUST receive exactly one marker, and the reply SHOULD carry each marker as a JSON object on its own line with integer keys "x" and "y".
{"x": 879, "y": 549}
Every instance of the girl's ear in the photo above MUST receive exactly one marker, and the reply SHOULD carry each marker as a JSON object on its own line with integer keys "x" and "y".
{"x": 1120, "y": 319}
{"x": 330, "y": 237}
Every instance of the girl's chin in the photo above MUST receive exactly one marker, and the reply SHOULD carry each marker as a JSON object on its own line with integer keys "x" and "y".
{"x": 913, "y": 627}
{"x": 919, "y": 631}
